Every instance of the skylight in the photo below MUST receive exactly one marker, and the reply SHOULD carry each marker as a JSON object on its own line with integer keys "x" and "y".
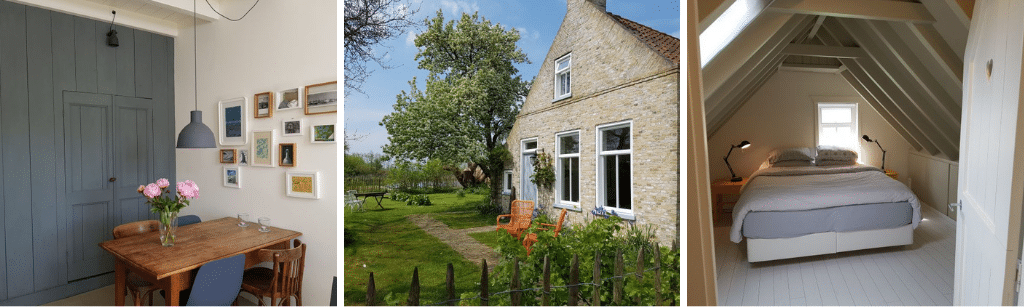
{"x": 728, "y": 25}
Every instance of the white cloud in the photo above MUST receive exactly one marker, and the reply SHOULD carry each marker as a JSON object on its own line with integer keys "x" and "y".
{"x": 410, "y": 39}
{"x": 456, "y": 6}
{"x": 525, "y": 33}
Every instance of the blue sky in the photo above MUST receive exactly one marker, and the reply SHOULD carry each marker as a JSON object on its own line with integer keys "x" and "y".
{"x": 537, "y": 22}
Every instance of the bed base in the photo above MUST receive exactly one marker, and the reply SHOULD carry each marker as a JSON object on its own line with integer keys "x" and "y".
{"x": 827, "y": 243}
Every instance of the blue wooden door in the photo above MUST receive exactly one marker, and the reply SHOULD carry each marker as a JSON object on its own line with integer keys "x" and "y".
{"x": 89, "y": 165}
{"x": 529, "y": 189}
{"x": 133, "y": 157}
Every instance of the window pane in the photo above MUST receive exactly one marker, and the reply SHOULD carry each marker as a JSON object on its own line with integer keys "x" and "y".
{"x": 564, "y": 63}
{"x": 836, "y": 115}
{"x": 575, "y": 175}
{"x": 531, "y": 145}
{"x": 624, "y": 180}
{"x": 563, "y": 84}
{"x": 570, "y": 144}
{"x": 609, "y": 181}
{"x": 565, "y": 177}
{"x": 615, "y": 139}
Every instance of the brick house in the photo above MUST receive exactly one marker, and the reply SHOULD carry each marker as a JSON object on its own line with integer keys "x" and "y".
{"x": 612, "y": 128}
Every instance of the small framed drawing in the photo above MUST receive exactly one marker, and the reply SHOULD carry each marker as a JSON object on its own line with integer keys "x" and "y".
{"x": 227, "y": 156}
{"x": 233, "y": 115}
{"x": 243, "y": 157}
{"x": 263, "y": 103}
{"x": 287, "y": 151}
{"x": 289, "y": 100}
{"x": 322, "y": 133}
{"x": 303, "y": 184}
{"x": 322, "y": 98}
{"x": 232, "y": 177}
{"x": 262, "y": 148}
{"x": 292, "y": 127}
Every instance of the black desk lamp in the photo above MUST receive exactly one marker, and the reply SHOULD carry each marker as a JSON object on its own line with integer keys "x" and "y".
{"x": 866, "y": 138}
{"x": 742, "y": 145}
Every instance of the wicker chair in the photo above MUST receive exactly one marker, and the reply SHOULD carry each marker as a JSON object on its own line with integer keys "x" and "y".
{"x": 532, "y": 237}
{"x": 137, "y": 288}
{"x": 520, "y": 217}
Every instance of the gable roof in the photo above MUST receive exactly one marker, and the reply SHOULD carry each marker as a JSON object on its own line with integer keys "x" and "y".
{"x": 904, "y": 58}
{"x": 666, "y": 45}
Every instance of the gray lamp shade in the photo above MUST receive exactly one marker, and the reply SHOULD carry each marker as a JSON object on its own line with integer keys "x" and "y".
{"x": 195, "y": 134}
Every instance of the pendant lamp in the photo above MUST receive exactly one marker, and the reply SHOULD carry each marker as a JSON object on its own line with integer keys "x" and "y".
{"x": 196, "y": 134}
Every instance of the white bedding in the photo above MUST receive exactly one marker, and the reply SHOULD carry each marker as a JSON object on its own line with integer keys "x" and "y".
{"x": 815, "y": 187}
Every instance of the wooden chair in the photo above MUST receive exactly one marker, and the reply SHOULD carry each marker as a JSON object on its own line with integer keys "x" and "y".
{"x": 283, "y": 281}
{"x": 532, "y": 237}
{"x": 520, "y": 217}
{"x": 137, "y": 287}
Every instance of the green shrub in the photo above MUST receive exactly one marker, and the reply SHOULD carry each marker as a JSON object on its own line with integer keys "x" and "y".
{"x": 418, "y": 200}
{"x": 486, "y": 208}
{"x": 399, "y": 196}
{"x": 460, "y": 193}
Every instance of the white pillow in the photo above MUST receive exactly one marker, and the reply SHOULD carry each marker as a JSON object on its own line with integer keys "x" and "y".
{"x": 834, "y": 163}
{"x": 791, "y": 154}
{"x": 792, "y": 163}
{"x": 832, "y": 153}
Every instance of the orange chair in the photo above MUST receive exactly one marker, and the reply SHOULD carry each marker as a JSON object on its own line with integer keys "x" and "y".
{"x": 520, "y": 217}
{"x": 532, "y": 237}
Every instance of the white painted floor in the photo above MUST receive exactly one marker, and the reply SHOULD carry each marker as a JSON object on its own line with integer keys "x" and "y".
{"x": 918, "y": 274}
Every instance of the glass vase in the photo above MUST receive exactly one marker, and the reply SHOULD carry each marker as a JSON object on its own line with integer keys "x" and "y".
{"x": 168, "y": 227}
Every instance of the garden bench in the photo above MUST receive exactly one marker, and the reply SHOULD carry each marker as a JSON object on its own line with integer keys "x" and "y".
{"x": 520, "y": 217}
{"x": 532, "y": 237}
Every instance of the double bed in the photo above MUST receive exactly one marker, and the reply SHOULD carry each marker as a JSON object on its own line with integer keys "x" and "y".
{"x": 795, "y": 211}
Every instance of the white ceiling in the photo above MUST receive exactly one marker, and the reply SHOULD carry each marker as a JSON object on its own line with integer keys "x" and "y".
{"x": 160, "y": 16}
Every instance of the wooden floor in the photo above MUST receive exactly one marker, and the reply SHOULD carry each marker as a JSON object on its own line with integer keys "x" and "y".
{"x": 918, "y": 274}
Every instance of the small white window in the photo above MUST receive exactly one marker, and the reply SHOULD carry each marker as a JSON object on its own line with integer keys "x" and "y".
{"x": 614, "y": 168}
{"x": 563, "y": 84}
{"x": 507, "y": 182}
{"x": 837, "y": 125}
{"x": 567, "y": 170}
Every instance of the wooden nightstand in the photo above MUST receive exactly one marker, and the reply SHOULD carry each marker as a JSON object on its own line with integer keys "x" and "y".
{"x": 892, "y": 174}
{"x": 720, "y": 188}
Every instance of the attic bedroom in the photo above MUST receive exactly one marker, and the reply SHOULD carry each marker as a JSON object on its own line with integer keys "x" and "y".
{"x": 802, "y": 99}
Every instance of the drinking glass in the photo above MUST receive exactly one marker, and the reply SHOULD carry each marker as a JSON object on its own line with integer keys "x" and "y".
{"x": 241, "y": 219}
{"x": 264, "y": 224}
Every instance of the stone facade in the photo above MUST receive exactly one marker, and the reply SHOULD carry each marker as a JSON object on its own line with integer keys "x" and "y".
{"x": 616, "y": 77}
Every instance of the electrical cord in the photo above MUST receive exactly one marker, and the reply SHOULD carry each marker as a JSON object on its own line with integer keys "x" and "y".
{"x": 229, "y": 18}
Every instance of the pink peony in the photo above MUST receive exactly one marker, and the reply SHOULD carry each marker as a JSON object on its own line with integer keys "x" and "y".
{"x": 152, "y": 190}
{"x": 163, "y": 183}
{"x": 188, "y": 189}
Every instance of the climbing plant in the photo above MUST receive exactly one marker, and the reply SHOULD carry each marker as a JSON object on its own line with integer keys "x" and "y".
{"x": 543, "y": 171}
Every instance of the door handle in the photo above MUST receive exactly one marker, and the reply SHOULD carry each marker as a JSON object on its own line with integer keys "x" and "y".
{"x": 955, "y": 206}
{"x": 112, "y": 179}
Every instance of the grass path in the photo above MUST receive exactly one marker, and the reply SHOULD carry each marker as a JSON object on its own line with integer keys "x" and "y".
{"x": 459, "y": 239}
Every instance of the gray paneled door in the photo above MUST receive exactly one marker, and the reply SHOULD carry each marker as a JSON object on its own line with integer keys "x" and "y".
{"x": 108, "y": 155}
{"x": 529, "y": 189}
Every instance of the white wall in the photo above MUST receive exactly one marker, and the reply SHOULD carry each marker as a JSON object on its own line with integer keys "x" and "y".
{"x": 782, "y": 114}
{"x": 934, "y": 181}
{"x": 279, "y": 45}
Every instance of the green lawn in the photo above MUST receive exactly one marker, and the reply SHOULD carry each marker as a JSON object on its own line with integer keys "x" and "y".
{"x": 489, "y": 238}
{"x": 389, "y": 245}
{"x": 464, "y": 219}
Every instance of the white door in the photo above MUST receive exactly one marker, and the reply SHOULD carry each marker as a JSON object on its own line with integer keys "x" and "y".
{"x": 529, "y": 189}
{"x": 991, "y": 168}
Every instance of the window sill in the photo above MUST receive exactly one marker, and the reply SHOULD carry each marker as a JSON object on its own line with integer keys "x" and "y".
{"x": 506, "y": 192}
{"x": 568, "y": 206}
{"x": 624, "y": 214}
{"x": 561, "y": 98}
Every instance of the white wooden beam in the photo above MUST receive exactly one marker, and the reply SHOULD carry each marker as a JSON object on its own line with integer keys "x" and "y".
{"x": 814, "y": 29}
{"x": 929, "y": 47}
{"x": 861, "y": 9}
{"x": 203, "y": 10}
{"x": 101, "y": 12}
{"x": 824, "y": 51}
{"x": 951, "y": 22}
{"x": 870, "y": 99}
{"x": 761, "y": 31}
{"x": 816, "y": 68}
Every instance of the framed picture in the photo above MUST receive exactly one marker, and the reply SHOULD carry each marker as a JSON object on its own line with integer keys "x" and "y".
{"x": 227, "y": 156}
{"x": 263, "y": 103}
{"x": 322, "y": 133}
{"x": 233, "y": 127}
{"x": 243, "y": 157}
{"x": 232, "y": 177}
{"x": 262, "y": 148}
{"x": 289, "y": 100}
{"x": 303, "y": 184}
{"x": 287, "y": 151}
{"x": 322, "y": 98}
{"x": 292, "y": 127}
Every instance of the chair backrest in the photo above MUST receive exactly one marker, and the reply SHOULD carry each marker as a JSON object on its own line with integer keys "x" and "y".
{"x": 561, "y": 220}
{"x": 136, "y": 228}
{"x": 350, "y": 196}
{"x": 288, "y": 267}
{"x": 188, "y": 220}
{"x": 522, "y": 213}
{"x": 218, "y": 282}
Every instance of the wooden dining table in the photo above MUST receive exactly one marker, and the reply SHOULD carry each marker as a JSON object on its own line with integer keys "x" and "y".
{"x": 173, "y": 268}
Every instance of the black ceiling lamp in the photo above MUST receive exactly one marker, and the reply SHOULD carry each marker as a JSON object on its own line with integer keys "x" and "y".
{"x": 196, "y": 134}
{"x": 866, "y": 138}
{"x": 742, "y": 145}
{"x": 112, "y": 34}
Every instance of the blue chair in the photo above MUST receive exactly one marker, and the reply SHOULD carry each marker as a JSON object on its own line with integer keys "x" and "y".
{"x": 188, "y": 219}
{"x": 217, "y": 283}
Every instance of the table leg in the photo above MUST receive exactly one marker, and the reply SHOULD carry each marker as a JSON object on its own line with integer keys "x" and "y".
{"x": 379, "y": 199}
{"x": 120, "y": 275}
{"x": 174, "y": 289}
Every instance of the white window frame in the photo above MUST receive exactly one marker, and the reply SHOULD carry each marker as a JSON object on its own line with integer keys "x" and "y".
{"x": 599, "y": 153}
{"x": 507, "y": 182}
{"x": 834, "y": 102}
{"x": 559, "y": 203}
{"x": 557, "y": 85}
{"x": 522, "y": 153}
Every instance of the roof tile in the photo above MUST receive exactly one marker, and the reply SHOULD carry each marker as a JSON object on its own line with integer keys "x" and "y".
{"x": 664, "y": 44}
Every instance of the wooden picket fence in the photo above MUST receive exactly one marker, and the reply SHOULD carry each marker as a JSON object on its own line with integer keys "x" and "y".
{"x": 516, "y": 291}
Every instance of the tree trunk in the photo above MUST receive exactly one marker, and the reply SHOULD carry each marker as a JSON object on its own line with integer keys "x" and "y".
{"x": 496, "y": 178}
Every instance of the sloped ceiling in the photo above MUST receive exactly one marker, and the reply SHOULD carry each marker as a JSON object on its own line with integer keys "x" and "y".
{"x": 160, "y": 16}
{"x": 904, "y": 57}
